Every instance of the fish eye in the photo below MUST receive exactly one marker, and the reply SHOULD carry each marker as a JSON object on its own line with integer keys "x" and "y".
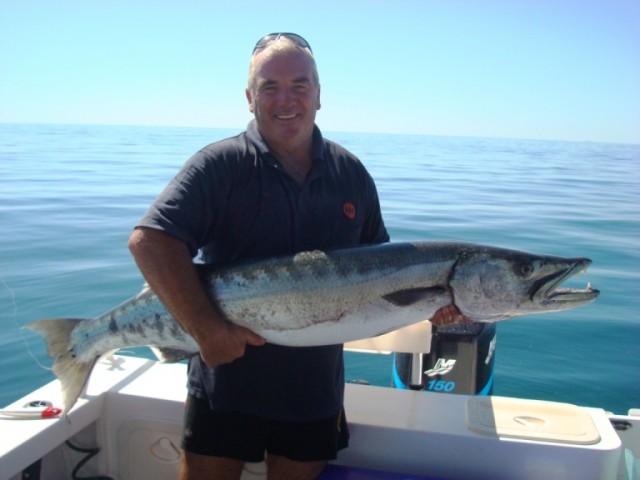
{"x": 523, "y": 269}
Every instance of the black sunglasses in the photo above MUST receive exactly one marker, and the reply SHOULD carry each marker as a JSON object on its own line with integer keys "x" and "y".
{"x": 272, "y": 37}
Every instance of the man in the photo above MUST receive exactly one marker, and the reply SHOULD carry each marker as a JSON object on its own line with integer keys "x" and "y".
{"x": 278, "y": 188}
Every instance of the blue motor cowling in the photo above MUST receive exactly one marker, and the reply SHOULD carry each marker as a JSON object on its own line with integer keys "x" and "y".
{"x": 460, "y": 361}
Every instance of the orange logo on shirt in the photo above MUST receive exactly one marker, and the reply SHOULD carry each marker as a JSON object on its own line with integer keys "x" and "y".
{"x": 349, "y": 210}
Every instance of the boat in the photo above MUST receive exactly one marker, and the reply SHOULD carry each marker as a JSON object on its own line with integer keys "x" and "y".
{"x": 127, "y": 425}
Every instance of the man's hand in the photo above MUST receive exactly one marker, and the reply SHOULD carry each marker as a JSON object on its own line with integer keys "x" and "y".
{"x": 447, "y": 315}
{"x": 224, "y": 342}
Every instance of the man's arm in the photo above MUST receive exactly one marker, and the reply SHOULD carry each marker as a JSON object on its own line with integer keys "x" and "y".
{"x": 167, "y": 267}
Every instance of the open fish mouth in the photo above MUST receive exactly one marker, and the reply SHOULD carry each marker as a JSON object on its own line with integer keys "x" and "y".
{"x": 548, "y": 289}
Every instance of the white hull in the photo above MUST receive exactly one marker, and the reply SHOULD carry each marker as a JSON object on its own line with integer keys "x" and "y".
{"x": 132, "y": 411}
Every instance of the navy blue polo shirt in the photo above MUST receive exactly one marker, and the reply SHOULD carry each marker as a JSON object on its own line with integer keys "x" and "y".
{"x": 232, "y": 200}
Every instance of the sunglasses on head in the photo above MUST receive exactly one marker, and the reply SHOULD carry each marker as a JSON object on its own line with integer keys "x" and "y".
{"x": 272, "y": 37}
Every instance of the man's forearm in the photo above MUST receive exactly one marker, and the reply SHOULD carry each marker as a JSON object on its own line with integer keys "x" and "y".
{"x": 167, "y": 266}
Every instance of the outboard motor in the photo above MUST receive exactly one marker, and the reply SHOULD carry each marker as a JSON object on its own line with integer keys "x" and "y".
{"x": 460, "y": 361}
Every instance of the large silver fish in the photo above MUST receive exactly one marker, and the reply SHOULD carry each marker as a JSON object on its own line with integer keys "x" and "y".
{"x": 323, "y": 298}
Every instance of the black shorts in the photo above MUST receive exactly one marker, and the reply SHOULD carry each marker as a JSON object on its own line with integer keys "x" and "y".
{"x": 246, "y": 437}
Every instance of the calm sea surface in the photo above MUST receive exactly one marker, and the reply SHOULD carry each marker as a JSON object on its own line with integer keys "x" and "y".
{"x": 69, "y": 196}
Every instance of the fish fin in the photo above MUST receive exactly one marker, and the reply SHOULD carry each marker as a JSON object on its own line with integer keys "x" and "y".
{"x": 145, "y": 288}
{"x": 170, "y": 355}
{"x": 404, "y": 298}
{"x": 72, "y": 373}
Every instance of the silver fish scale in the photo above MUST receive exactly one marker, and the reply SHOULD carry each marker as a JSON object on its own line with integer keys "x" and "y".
{"x": 142, "y": 321}
{"x": 313, "y": 287}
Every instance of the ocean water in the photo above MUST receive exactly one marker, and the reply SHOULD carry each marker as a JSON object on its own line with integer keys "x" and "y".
{"x": 69, "y": 196}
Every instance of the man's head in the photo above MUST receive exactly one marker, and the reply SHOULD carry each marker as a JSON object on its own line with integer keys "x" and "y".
{"x": 281, "y": 42}
{"x": 283, "y": 89}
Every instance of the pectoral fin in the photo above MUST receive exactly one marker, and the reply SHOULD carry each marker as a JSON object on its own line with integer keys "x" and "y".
{"x": 405, "y": 298}
{"x": 170, "y": 355}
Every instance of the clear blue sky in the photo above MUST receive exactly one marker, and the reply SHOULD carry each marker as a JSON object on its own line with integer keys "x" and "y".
{"x": 547, "y": 69}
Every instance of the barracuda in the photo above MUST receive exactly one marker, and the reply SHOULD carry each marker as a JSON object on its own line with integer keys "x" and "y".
{"x": 324, "y": 298}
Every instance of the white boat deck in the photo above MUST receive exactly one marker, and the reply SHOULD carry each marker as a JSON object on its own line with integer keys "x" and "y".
{"x": 133, "y": 411}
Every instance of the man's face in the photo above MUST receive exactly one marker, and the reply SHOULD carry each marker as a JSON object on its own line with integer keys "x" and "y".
{"x": 284, "y": 97}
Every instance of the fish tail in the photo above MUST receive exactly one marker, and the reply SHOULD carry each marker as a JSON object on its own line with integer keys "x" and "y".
{"x": 72, "y": 373}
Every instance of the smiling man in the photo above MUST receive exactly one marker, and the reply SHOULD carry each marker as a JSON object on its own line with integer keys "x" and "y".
{"x": 284, "y": 95}
{"x": 277, "y": 188}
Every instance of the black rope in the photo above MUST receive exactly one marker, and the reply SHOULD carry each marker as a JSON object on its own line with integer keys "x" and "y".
{"x": 91, "y": 452}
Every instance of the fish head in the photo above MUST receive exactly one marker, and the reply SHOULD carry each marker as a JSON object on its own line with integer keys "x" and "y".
{"x": 490, "y": 284}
